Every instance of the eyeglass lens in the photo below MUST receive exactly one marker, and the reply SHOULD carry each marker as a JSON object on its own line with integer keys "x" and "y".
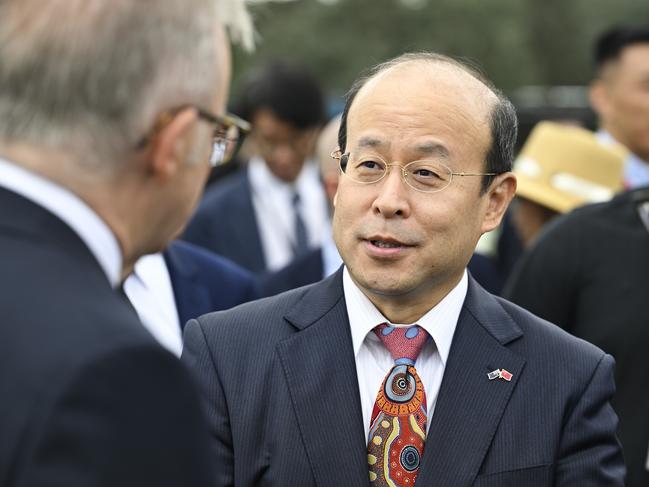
{"x": 426, "y": 175}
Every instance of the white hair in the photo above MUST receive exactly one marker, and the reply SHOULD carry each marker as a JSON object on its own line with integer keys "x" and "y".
{"x": 89, "y": 76}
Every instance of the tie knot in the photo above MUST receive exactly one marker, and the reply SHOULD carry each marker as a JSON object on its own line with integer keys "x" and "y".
{"x": 404, "y": 343}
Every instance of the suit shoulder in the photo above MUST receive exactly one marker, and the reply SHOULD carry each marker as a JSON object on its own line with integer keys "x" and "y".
{"x": 209, "y": 262}
{"x": 548, "y": 341}
{"x": 234, "y": 187}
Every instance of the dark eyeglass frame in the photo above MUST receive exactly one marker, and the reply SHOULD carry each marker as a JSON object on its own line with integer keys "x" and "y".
{"x": 222, "y": 125}
{"x": 343, "y": 158}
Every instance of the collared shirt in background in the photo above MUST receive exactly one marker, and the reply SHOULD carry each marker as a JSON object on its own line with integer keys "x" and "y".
{"x": 150, "y": 291}
{"x": 636, "y": 171}
{"x": 373, "y": 360}
{"x": 272, "y": 200}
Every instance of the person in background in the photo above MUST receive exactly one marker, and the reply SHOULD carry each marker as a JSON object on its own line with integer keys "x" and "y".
{"x": 559, "y": 168}
{"x": 619, "y": 94}
{"x": 400, "y": 369}
{"x": 110, "y": 111}
{"x": 275, "y": 209}
{"x": 587, "y": 272}
{"x": 169, "y": 288}
{"x": 322, "y": 261}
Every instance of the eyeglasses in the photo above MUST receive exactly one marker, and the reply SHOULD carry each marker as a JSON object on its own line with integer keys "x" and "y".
{"x": 426, "y": 176}
{"x": 227, "y": 130}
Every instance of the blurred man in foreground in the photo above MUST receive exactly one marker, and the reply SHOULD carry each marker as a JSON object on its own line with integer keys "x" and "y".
{"x": 110, "y": 112}
{"x": 399, "y": 368}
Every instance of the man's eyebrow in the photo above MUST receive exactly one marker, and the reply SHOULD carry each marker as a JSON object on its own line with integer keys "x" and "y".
{"x": 433, "y": 149}
{"x": 372, "y": 142}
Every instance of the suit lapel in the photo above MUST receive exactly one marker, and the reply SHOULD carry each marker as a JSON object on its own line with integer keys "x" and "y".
{"x": 320, "y": 370}
{"x": 192, "y": 298}
{"x": 469, "y": 405}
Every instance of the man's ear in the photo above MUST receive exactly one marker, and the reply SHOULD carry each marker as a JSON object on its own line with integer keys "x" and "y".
{"x": 598, "y": 97}
{"x": 169, "y": 145}
{"x": 499, "y": 195}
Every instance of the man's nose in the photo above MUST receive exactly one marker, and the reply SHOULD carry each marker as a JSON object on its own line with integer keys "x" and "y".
{"x": 393, "y": 195}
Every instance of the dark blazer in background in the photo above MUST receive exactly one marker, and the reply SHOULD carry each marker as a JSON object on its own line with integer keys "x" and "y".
{"x": 279, "y": 384}
{"x": 87, "y": 397}
{"x": 304, "y": 269}
{"x": 203, "y": 281}
{"x": 589, "y": 273}
{"x": 225, "y": 223}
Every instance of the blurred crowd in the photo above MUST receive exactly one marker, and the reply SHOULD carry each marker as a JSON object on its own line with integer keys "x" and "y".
{"x": 573, "y": 248}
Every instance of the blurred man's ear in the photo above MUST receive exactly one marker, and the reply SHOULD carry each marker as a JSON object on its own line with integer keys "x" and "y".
{"x": 499, "y": 195}
{"x": 170, "y": 145}
{"x": 598, "y": 97}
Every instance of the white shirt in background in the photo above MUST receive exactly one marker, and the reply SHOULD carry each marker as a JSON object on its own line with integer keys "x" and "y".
{"x": 373, "y": 360}
{"x": 636, "y": 171}
{"x": 272, "y": 201}
{"x": 150, "y": 291}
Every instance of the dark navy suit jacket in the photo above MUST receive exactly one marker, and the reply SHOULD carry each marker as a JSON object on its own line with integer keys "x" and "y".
{"x": 225, "y": 223}
{"x": 87, "y": 396}
{"x": 279, "y": 384}
{"x": 203, "y": 282}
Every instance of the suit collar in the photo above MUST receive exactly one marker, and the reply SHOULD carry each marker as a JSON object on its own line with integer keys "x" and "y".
{"x": 320, "y": 372}
{"x": 71, "y": 210}
{"x": 470, "y": 406}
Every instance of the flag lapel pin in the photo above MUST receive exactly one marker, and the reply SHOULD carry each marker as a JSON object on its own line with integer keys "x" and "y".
{"x": 500, "y": 374}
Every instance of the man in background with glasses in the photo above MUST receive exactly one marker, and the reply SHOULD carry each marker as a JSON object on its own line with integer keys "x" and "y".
{"x": 400, "y": 368}
{"x": 274, "y": 210}
{"x": 110, "y": 112}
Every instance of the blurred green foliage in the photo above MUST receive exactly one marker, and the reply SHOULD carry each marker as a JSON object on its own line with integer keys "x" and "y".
{"x": 515, "y": 42}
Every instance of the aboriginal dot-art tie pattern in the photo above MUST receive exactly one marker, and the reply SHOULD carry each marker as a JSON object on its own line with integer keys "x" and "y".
{"x": 398, "y": 425}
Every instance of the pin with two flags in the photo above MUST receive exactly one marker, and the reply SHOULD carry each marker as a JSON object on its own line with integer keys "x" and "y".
{"x": 500, "y": 374}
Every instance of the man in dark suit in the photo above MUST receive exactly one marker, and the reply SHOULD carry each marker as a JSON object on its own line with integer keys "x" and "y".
{"x": 103, "y": 155}
{"x": 274, "y": 209}
{"x": 588, "y": 274}
{"x": 399, "y": 369}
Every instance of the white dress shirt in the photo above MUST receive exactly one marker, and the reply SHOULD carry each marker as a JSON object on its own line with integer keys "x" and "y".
{"x": 272, "y": 201}
{"x": 636, "y": 171}
{"x": 373, "y": 360}
{"x": 72, "y": 210}
{"x": 150, "y": 292}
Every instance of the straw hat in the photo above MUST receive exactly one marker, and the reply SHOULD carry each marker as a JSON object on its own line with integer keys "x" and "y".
{"x": 562, "y": 167}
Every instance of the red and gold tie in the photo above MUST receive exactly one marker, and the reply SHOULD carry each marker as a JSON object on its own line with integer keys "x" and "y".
{"x": 398, "y": 425}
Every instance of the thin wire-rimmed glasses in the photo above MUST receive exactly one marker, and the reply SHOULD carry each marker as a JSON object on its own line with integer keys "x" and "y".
{"x": 426, "y": 176}
{"x": 226, "y": 132}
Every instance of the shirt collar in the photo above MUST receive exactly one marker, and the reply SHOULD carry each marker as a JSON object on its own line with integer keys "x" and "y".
{"x": 68, "y": 207}
{"x": 264, "y": 182}
{"x": 440, "y": 322}
{"x": 636, "y": 170}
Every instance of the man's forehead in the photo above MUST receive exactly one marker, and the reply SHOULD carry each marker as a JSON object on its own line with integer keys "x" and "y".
{"x": 416, "y": 91}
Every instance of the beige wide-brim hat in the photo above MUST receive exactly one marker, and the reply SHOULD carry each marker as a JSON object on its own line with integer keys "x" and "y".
{"x": 562, "y": 167}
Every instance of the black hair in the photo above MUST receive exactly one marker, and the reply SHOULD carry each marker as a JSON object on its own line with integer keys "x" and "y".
{"x": 288, "y": 90}
{"x": 503, "y": 120}
{"x": 609, "y": 44}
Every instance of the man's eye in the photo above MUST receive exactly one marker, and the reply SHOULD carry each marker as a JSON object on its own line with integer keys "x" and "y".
{"x": 370, "y": 165}
{"x": 426, "y": 173}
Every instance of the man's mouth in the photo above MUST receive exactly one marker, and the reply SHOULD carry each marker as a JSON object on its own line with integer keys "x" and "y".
{"x": 385, "y": 245}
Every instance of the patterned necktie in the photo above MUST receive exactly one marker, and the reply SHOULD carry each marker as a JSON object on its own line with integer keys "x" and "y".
{"x": 398, "y": 425}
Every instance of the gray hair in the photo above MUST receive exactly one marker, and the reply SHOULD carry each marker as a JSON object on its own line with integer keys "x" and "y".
{"x": 503, "y": 121}
{"x": 89, "y": 76}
